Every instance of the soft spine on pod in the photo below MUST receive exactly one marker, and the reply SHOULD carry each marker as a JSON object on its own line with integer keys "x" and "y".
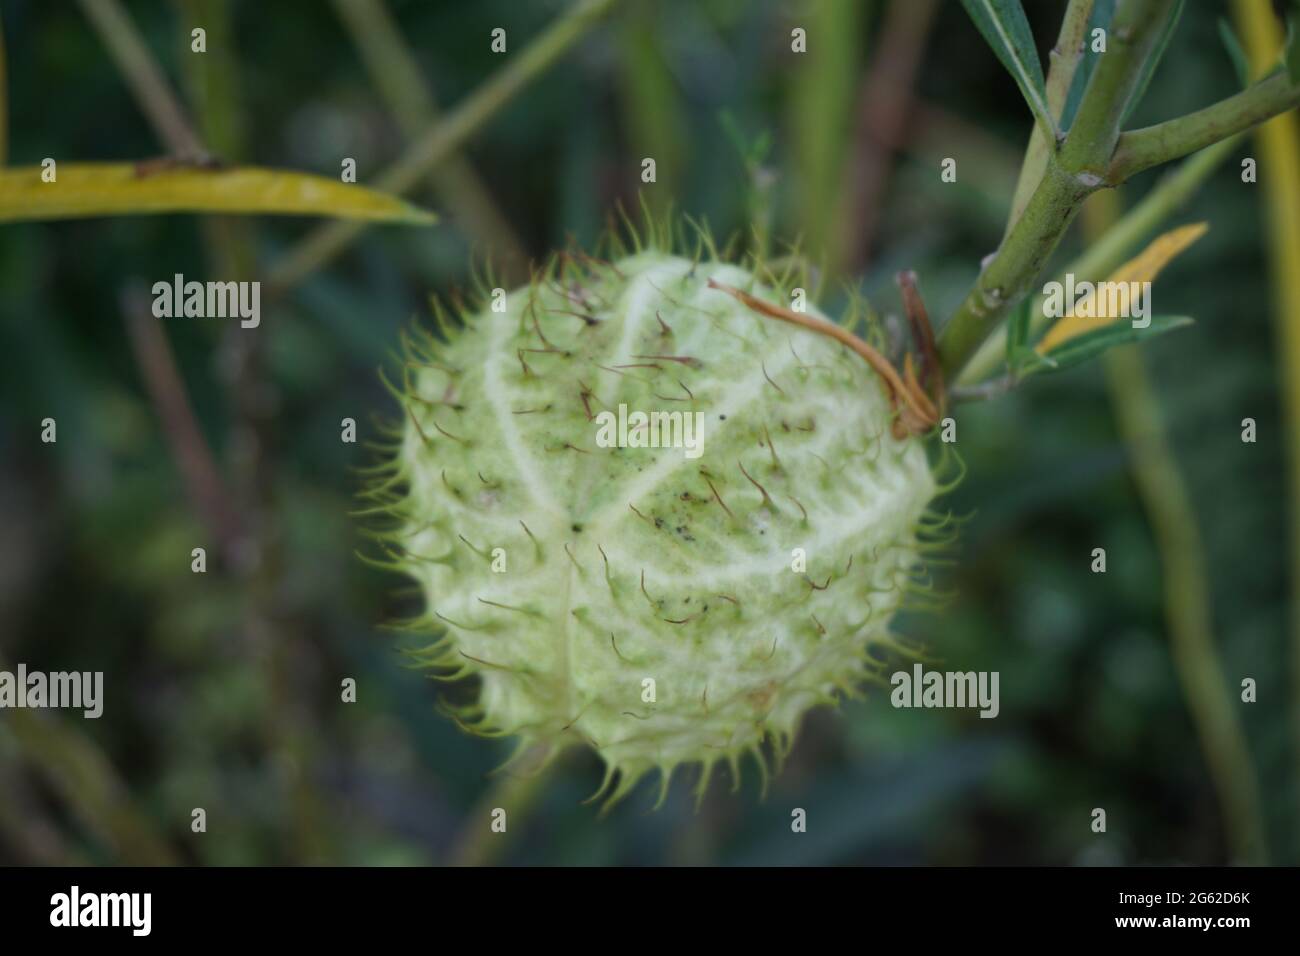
{"x": 661, "y": 608}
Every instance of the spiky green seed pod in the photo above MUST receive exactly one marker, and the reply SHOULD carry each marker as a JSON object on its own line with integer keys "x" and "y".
{"x": 663, "y": 605}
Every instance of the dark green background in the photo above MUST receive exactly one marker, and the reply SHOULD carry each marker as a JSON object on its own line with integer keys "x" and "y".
{"x": 205, "y": 710}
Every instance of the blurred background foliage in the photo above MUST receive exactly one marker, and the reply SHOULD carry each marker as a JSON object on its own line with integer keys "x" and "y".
{"x": 223, "y": 689}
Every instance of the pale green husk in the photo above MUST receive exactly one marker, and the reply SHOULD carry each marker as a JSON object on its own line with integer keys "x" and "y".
{"x": 623, "y": 565}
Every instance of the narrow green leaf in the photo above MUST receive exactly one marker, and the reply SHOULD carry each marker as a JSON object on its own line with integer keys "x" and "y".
{"x": 1157, "y": 54}
{"x": 1018, "y": 332}
{"x": 1103, "y": 11}
{"x": 1004, "y": 27}
{"x": 1025, "y": 361}
{"x": 82, "y": 190}
{"x": 1235, "y": 53}
{"x": 1091, "y": 344}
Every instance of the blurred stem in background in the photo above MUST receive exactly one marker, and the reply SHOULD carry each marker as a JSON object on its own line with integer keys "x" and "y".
{"x": 144, "y": 76}
{"x": 760, "y": 181}
{"x": 207, "y": 491}
{"x": 519, "y": 787}
{"x": 444, "y": 137}
{"x": 1279, "y": 178}
{"x": 1185, "y": 575}
{"x": 24, "y": 823}
{"x": 886, "y": 103}
{"x": 71, "y": 763}
{"x": 652, "y": 107}
{"x": 271, "y": 637}
{"x": 251, "y": 545}
{"x": 75, "y": 768}
{"x": 4, "y": 100}
{"x": 1112, "y": 240}
{"x": 393, "y": 69}
{"x": 823, "y": 88}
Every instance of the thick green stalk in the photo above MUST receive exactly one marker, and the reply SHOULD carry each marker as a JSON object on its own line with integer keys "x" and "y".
{"x": 1134, "y": 152}
{"x": 1144, "y": 148}
{"x": 1119, "y": 244}
{"x": 444, "y": 137}
{"x": 1096, "y": 129}
{"x": 1077, "y": 169}
{"x": 1065, "y": 59}
{"x": 1022, "y": 256}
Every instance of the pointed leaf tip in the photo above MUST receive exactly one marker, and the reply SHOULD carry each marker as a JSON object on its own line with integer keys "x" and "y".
{"x": 83, "y": 190}
{"x": 1143, "y": 267}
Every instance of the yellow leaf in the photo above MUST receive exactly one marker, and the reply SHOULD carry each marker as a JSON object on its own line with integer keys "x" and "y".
{"x": 1143, "y": 267}
{"x": 122, "y": 189}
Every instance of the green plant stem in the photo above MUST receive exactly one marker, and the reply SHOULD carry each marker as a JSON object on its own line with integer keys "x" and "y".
{"x": 1096, "y": 128}
{"x": 1186, "y": 579}
{"x": 651, "y": 103}
{"x": 515, "y": 791}
{"x": 394, "y": 71}
{"x": 1118, "y": 244}
{"x": 207, "y": 490}
{"x": 1072, "y": 173}
{"x": 1093, "y": 156}
{"x": 1153, "y": 145}
{"x": 445, "y": 137}
{"x": 24, "y": 827}
{"x": 1279, "y": 145}
{"x": 822, "y": 91}
{"x": 887, "y": 107}
{"x": 1124, "y": 238}
{"x": 146, "y": 79}
{"x": 1187, "y": 586}
{"x": 271, "y": 637}
{"x": 1065, "y": 59}
{"x": 82, "y": 776}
